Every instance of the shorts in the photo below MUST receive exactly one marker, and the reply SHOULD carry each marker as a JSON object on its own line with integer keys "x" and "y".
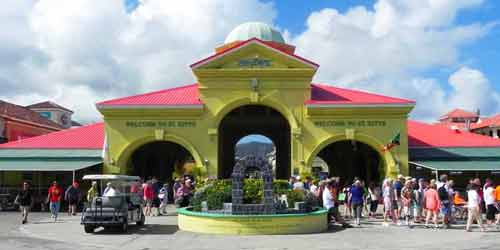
{"x": 73, "y": 202}
{"x": 446, "y": 209}
{"x": 395, "y": 205}
{"x": 387, "y": 205}
{"x": 491, "y": 210}
{"x": 148, "y": 202}
{"x": 399, "y": 204}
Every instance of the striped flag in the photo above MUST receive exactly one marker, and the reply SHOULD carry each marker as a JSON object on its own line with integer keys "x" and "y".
{"x": 394, "y": 142}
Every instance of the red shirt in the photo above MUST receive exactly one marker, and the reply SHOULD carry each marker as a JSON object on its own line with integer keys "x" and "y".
{"x": 55, "y": 194}
{"x": 148, "y": 193}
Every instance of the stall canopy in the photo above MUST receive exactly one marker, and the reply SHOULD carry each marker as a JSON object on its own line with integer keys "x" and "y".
{"x": 442, "y": 149}
{"x": 66, "y": 150}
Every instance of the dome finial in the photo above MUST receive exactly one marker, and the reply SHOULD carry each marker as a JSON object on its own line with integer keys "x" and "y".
{"x": 257, "y": 30}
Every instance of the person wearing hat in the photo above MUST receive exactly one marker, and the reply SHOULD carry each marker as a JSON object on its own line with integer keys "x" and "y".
{"x": 398, "y": 186}
{"x": 25, "y": 201}
{"x": 298, "y": 185}
{"x": 54, "y": 198}
{"x": 93, "y": 192}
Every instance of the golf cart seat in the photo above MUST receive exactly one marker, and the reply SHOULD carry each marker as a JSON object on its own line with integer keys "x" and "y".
{"x": 109, "y": 202}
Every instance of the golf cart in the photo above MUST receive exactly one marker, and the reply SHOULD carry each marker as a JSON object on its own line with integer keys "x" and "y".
{"x": 114, "y": 209}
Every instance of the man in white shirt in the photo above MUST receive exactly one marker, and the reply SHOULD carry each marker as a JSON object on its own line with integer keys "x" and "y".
{"x": 109, "y": 191}
{"x": 298, "y": 184}
{"x": 329, "y": 204}
{"x": 474, "y": 212}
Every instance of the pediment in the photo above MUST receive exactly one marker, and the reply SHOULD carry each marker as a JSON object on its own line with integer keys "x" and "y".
{"x": 254, "y": 55}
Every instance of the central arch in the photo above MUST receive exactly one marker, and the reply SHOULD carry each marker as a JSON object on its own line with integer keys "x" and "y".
{"x": 254, "y": 119}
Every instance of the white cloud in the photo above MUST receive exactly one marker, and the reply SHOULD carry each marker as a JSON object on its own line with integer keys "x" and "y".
{"x": 78, "y": 52}
{"x": 389, "y": 49}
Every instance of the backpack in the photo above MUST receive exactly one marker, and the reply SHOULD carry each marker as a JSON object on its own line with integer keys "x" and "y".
{"x": 443, "y": 193}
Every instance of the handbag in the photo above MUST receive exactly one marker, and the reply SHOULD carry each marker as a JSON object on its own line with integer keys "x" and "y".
{"x": 341, "y": 197}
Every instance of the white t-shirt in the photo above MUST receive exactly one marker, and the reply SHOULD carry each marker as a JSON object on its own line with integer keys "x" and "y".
{"x": 110, "y": 192}
{"x": 473, "y": 199}
{"x": 298, "y": 185}
{"x": 489, "y": 197}
{"x": 313, "y": 188}
{"x": 327, "y": 199}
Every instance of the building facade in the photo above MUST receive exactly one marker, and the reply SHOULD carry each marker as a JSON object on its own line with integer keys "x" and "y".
{"x": 256, "y": 84}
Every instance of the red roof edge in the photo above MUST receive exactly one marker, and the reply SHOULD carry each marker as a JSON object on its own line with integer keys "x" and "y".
{"x": 244, "y": 43}
{"x": 104, "y": 103}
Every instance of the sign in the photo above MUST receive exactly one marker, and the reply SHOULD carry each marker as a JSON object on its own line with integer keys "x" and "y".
{"x": 161, "y": 124}
{"x": 350, "y": 123}
{"x": 255, "y": 62}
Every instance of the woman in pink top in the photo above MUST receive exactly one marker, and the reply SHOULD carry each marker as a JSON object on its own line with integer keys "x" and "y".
{"x": 148, "y": 198}
{"x": 432, "y": 204}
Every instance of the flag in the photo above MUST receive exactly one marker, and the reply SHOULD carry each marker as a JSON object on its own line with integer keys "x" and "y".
{"x": 394, "y": 142}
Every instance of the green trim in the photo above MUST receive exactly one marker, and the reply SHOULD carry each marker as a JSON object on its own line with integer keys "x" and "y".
{"x": 47, "y": 164}
{"x": 185, "y": 211}
{"x": 459, "y": 165}
{"x": 48, "y": 153}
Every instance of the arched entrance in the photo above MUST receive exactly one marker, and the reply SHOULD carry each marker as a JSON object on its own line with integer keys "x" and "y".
{"x": 161, "y": 159}
{"x": 248, "y": 120}
{"x": 348, "y": 159}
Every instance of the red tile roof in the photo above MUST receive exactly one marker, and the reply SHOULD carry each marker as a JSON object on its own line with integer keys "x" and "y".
{"x": 85, "y": 137}
{"x": 13, "y": 111}
{"x": 320, "y": 95}
{"x": 329, "y": 95}
{"x": 459, "y": 113}
{"x": 427, "y": 135}
{"x": 493, "y": 121}
{"x": 180, "y": 96}
{"x": 248, "y": 42}
{"x": 47, "y": 104}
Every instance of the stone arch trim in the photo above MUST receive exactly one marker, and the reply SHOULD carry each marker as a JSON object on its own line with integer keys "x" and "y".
{"x": 238, "y": 176}
{"x": 268, "y": 102}
{"x": 124, "y": 155}
{"x": 387, "y": 158}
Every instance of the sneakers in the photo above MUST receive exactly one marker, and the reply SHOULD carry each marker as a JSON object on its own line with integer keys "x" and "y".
{"x": 24, "y": 221}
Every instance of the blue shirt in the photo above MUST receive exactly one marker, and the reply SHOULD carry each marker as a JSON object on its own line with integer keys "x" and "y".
{"x": 357, "y": 194}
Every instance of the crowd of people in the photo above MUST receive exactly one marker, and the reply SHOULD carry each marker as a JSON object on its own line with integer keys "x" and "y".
{"x": 154, "y": 194}
{"x": 407, "y": 201}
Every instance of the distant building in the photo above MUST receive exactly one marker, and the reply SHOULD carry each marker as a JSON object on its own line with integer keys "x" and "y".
{"x": 18, "y": 122}
{"x": 54, "y": 112}
{"x": 459, "y": 119}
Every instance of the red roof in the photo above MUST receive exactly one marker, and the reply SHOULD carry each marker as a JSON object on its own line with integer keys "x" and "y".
{"x": 329, "y": 95}
{"x": 459, "y": 113}
{"x": 428, "y": 135}
{"x": 85, "y": 137}
{"x": 248, "y": 42}
{"x": 493, "y": 121}
{"x": 13, "y": 111}
{"x": 180, "y": 96}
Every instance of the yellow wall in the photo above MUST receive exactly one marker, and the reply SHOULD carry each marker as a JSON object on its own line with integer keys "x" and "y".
{"x": 284, "y": 86}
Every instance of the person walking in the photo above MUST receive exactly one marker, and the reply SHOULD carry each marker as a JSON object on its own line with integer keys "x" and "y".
{"x": 419, "y": 194}
{"x": 432, "y": 205}
{"x": 163, "y": 196}
{"x": 329, "y": 204}
{"x": 347, "y": 202}
{"x": 489, "y": 200}
{"x": 73, "y": 195}
{"x": 357, "y": 197}
{"x": 409, "y": 203}
{"x": 54, "y": 198}
{"x": 148, "y": 198}
{"x": 445, "y": 198}
{"x": 388, "y": 196}
{"x": 474, "y": 207}
{"x": 25, "y": 200}
{"x": 374, "y": 194}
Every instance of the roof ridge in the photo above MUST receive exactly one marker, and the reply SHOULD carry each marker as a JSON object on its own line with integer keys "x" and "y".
{"x": 149, "y": 93}
{"x": 361, "y": 92}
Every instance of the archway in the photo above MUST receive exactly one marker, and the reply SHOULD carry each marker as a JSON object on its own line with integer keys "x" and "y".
{"x": 254, "y": 119}
{"x": 348, "y": 159}
{"x": 258, "y": 146}
{"x": 161, "y": 159}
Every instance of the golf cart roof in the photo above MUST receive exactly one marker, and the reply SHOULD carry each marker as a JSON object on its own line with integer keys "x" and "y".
{"x": 111, "y": 177}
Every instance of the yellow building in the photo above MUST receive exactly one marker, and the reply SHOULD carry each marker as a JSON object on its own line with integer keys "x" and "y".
{"x": 255, "y": 84}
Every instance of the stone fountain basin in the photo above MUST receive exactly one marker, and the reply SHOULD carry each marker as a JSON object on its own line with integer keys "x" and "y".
{"x": 266, "y": 224}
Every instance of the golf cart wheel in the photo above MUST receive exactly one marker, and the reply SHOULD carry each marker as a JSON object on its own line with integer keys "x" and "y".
{"x": 142, "y": 221}
{"x": 88, "y": 229}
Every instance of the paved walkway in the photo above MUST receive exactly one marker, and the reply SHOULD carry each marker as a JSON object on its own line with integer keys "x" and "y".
{"x": 162, "y": 233}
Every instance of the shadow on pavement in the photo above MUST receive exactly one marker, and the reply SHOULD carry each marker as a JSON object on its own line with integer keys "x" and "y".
{"x": 149, "y": 229}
